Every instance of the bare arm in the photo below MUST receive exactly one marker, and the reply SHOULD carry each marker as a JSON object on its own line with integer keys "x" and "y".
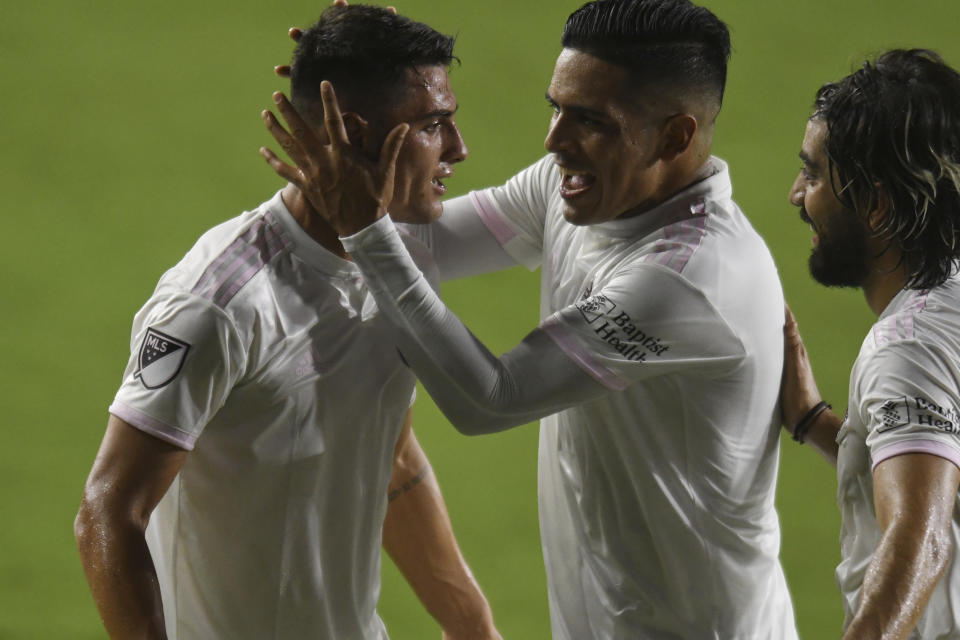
{"x": 914, "y": 495}
{"x": 419, "y": 538}
{"x": 130, "y": 475}
{"x": 799, "y": 394}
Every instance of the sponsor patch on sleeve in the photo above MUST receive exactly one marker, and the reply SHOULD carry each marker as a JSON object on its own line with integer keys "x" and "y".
{"x": 160, "y": 360}
{"x": 616, "y": 328}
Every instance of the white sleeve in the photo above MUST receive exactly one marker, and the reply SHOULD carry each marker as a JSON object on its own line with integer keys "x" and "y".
{"x": 909, "y": 402}
{"x": 185, "y": 358}
{"x": 478, "y": 392}
{"x": 647, "y": 321}
{"x": 461, "y": 244}
{"x": 494, "y": 228}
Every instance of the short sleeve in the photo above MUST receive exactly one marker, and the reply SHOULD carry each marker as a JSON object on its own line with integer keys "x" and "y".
{"x": 185, "y": 358}
{"x": 646, "y": 322}
{"x": 909, "y": 403}
{"x": 515, "y": 213}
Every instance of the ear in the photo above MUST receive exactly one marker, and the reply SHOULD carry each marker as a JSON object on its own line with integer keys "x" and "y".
{"x": 881, "y": 206}
{"x": 677, "y": 134}
{"x": 358, "y": 129}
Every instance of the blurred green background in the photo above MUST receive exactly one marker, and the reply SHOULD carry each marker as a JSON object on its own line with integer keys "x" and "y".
{"x": 131, "y": 127}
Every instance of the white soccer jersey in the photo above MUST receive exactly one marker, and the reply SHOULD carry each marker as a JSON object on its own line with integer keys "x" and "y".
{"x": 657, "y": 500}
{"x": 264, "y": 355}
{"x": 904, "y": 398}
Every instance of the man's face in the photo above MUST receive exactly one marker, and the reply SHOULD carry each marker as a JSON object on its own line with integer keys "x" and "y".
{"x": 432, "y": 146}
{"x": 841, "y": 251}
{"x": 605, "y": 143}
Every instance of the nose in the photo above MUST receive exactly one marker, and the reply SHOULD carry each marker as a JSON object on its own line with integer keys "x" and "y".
{"x": 796, "y": 191}
{"x": 456, "y": 148}
{"x": 557, "y": 139}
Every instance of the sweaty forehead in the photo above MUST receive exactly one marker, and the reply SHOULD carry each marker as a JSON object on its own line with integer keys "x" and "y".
{"x": 813, "y": 149}
{"x": 579, "y": 77}
{"x": 427, "y": 91}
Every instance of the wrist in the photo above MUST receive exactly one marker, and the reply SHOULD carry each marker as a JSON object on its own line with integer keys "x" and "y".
{"x": 803, "y": 426}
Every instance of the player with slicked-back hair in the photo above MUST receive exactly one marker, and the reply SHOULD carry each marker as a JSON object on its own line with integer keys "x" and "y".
{"x": 655, "y": 368}
{"x": 880, "y": 188}
{"x": 259, "y": 452}
{"x": 673, "y": 42}
{"x": 364, "y": 51}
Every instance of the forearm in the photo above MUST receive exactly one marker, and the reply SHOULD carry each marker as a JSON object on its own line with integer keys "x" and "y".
{"x": 477, "y": 391}
{"x": 120, "y": 574}
{"x": 418, "y": 536}
{"x": 906, "y": 566}
{"x": 822, "y": 435}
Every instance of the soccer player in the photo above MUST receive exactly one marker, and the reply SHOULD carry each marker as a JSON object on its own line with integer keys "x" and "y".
{"x": 657, "y": 362}
{"x": 880, "y": 188}
{"x": 260, "y": 440}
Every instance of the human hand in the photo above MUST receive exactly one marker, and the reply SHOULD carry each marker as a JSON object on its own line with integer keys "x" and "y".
{"x": 347, "y": 188}
{"x": 798, "y": 388}
{"x": 295, "y": 33}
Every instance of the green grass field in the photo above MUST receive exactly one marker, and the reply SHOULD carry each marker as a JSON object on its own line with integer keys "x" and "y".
{"x": 132, "y": 127}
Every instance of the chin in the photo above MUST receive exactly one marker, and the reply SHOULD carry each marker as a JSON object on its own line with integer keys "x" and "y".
{"x": 423, "y": 214}
{"x": 576, "y": 216}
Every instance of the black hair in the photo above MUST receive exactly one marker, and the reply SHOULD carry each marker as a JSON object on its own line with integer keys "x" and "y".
{"x": 896, "y": 123}
{"x": 671, "y": 42}
{"x": 364, "y": 51}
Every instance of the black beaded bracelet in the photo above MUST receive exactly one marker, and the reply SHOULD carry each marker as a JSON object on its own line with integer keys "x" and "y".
{"x": 800, "y": 431}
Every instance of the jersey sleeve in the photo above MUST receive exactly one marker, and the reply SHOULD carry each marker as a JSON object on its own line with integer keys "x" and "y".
{"x": 477, "y": 391}
{"x": 909, "y": 402}
{"x": 647, "y": 321}
{"x": 516, "y": 212}
{"x": 185, "y": 358}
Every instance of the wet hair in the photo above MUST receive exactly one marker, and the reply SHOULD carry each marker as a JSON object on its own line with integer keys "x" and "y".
{"x": 364, "y": 51}
{"x": 896, "y": 122}
{"x": 661, "y": 42}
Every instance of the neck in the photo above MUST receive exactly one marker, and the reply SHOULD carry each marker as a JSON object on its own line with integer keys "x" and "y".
{"x": 311, "y": 222}
{"x": 887, "y": 278}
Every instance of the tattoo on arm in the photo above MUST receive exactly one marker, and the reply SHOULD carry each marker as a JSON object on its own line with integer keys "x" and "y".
{"x": 409, "y": 484}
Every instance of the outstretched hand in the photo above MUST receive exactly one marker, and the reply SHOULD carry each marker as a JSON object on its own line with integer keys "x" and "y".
{"x": 798, "y": 388}
{"x": 346, "y": 187}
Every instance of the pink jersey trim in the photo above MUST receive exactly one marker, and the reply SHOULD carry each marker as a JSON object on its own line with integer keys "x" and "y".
{"x": 555, "y": 329}
{"x": 931, "y": 447}
{"x": 487, "y": 209}
{"x": 900, "y": 325}
{"x": 154, "y": 427}
{"x": 681, "y": 239}
{"x": 240, "y": 261}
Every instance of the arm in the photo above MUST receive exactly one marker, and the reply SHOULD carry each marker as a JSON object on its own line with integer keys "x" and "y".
{"x": 461, "y": 244}
{"x": 477, "y": 391}
{"x": 130, "y": 475}
{"x": 914, "y": 496}
{"x": 799, "y": 394}
{"x": 418, "y": 535}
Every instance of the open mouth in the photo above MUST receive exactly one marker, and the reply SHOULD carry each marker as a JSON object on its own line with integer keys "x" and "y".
{"x": 575, "y": 183}
{"x": 816, "y": 237}
{"x": 438, "y": 185}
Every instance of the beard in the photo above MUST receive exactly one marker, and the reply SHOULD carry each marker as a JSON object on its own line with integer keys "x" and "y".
{"x": 842, "y": 256}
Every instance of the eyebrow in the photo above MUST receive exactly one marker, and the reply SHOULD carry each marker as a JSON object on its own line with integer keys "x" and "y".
{"x": 807, "y": 160}
{"x": 593, "y": 113}
{"x": 439, "y": 113}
